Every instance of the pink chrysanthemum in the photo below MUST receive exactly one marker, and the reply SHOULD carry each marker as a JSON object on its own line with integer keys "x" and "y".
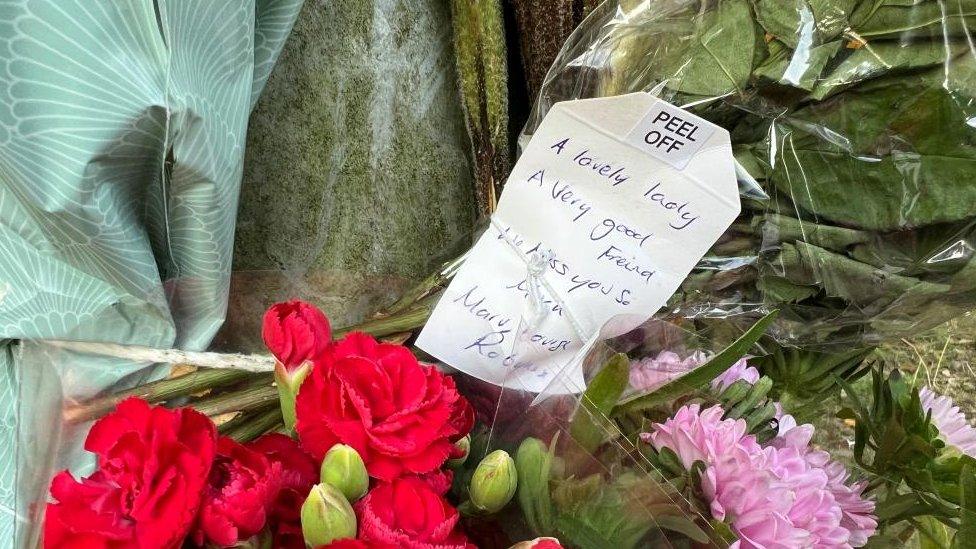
{"x": 858, "y": 510}
{"x": 780, "y": 496}
{"x": 750, "y": 498}
{"x": 696, "y": 435}
{"x": 836, "y": 514}
{"x": 739, "y": 370}
{"x": 650, "y": 373}
{"x": 952, "y": 424}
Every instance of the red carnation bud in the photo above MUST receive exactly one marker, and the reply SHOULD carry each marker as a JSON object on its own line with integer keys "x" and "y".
{"x": 296, "y": 332}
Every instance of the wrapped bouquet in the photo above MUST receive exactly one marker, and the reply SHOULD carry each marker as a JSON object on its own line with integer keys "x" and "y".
{"x": 363, "y": 445}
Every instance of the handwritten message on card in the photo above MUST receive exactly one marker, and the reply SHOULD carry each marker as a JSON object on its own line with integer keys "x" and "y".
{"x": 596, "y": 221}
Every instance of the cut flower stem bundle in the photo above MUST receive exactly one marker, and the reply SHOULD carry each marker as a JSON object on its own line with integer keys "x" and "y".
{"x": 407, "y": 314}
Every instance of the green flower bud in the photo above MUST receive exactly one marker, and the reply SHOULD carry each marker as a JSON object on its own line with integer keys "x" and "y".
{"x": 464, "y": 445}
{"x": 535, "y": 466}
{"x": 327, "y": 516}
{"x": 494, "y": 481}
{"x": 343, "y": 468}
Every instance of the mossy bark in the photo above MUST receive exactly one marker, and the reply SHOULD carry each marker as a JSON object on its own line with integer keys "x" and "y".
{"x": 357, "y": 174}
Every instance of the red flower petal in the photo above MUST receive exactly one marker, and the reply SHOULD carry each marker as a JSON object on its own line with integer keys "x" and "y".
{"x": 400, "y": 415}
{"x": 407, "y": 513}
{"x": 242, "y": 488}
{"x": 154, "y": 463}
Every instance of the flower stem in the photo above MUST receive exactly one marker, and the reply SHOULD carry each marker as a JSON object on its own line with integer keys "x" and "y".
{"x": 403, "y": 321}
{"x": 248, "y": 427}
{"x": 259, "y": 397}
{"x": 426, "y": 287}
{"x": 414, "y": 316}
{"x": 158, "y": 391}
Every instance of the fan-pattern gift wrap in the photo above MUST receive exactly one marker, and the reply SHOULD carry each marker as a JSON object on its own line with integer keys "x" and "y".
{"x": 122, "y": 126}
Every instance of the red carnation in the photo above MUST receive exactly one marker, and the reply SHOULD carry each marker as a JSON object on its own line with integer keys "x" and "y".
{"x": 242, "y": 487}
{"x": 298, "y": 474}
{"x": 295, "y": 332}
{"x": 439, "y": 480}
{"x": 408, "y": 513}
{"x": 401, "y": 416}
{"x": 153, "y": 465}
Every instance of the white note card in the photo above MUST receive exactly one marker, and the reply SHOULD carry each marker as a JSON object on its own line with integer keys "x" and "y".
{"x": 610, "y": 206}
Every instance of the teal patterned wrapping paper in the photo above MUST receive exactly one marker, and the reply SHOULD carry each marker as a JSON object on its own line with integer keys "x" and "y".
{"x": 122, "y": 126}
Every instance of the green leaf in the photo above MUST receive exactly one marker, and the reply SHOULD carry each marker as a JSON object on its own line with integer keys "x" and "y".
{"x": 704, "y": 374}
{"x": 806, "y": 22}
{"x": 533, "y": 462}
{"x": 776, "y": 289}
{"x": 892, "y": 154}
{"x": 932, "y": 534}
{"x": 895, "y": 506}
{"x": 619, "y": 514}
{"x": 966, "y": 535}
{"x": 716, "y": 56}
{"x": 895, "y": 536}
{"x": 591, "y": 420}
{"x": 578, "y": 532}
{"x": 783, "y": 228}
{"x": 905, "y": 20}
{"x": 864, "y": 285}
{"x": 881, "y": 58}
{"x": 682, "y": 525}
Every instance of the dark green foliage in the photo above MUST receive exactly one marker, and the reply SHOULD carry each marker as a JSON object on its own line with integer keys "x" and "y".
{"x": 915, "y": 477}
{"x": 804, "y": 379}
{"x": 852, "y": 124}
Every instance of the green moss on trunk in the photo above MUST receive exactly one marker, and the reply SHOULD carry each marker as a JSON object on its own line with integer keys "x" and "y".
{"x": 357, "y": 159}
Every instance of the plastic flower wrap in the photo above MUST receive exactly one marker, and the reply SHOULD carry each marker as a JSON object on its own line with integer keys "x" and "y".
{"x": 851, "y": 125}
{"x": 585, "y": 475}
{"x": 677, "y": 437}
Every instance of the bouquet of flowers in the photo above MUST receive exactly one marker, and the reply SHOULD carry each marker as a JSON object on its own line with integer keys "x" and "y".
{"x": 373, "y": 428}
{"x": 363, "y": 445}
